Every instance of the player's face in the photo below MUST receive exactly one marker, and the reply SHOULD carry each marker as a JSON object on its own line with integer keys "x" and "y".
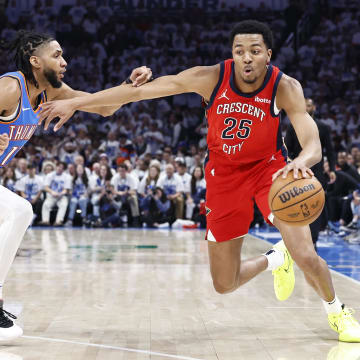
{"x": 54, "y": 65}
{"x": 251, "y": 57}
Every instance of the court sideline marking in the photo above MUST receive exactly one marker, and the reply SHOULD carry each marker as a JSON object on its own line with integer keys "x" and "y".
{"x": 109, "y": 347}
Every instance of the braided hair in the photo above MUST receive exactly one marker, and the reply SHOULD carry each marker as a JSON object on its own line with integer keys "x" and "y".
{"x": 23, "y": 47}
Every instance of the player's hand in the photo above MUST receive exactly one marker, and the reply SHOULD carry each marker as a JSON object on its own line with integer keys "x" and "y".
{"x": 140, "y": 76}
{"x": 332, "y": 177}
{"x": 63, "y": 109}
{"x": 4, "y": 142}
{"x": 296, "y": 165}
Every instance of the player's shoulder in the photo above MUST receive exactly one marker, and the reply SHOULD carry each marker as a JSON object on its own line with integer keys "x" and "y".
{"x": 10, "y": 89}
{"x": 289, "y": 93}
{"x": 288, "y": 84}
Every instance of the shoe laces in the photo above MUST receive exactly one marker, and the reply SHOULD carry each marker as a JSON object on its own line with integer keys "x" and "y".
{"x": 4, "y": 318}
{"x": 346, "y": 319}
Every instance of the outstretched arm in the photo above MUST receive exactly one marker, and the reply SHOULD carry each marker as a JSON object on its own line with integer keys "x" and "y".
{"x": 290, "y": 97}
{"x": 201, "y": 80}
{"x": 139, "y": 76}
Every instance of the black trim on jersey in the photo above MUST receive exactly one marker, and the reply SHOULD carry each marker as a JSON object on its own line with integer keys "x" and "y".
{"x": 3, "y": 121}
{"x": 216, "y": 89}
{"x": 280, "y": 142}
{"x": 44, "y": 96}
{"x": 249, "y": 95}
{"x": 278, "y": 77}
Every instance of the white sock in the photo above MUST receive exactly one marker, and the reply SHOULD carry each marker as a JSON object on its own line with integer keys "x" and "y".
{"x": 1, "y": 294}
{"x": 275, "y": 259}
{"x": 333, "y": 307}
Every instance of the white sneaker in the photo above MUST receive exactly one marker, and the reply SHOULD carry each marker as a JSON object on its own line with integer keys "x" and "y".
{"x": 8, "y": 329}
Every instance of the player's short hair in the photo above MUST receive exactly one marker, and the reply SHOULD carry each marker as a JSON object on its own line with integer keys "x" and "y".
{"x": 253, "y": 27}
{"x": 23, "y": 47}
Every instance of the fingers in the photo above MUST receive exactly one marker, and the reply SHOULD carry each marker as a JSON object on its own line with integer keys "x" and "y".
{"x": 302, "y": 172}
{"x": 60, "y": 123}
{"x": 277, "y": 174}
{"x": 45, "y": 109}
{"x": 140, "y": 75}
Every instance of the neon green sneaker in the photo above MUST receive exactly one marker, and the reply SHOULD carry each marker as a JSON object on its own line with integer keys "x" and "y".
{"x": 284, "y": 277}
{"x": 346, "y": 325}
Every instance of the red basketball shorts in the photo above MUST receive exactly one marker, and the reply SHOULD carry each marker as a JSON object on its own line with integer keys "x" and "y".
{"x": 230, "y": 194}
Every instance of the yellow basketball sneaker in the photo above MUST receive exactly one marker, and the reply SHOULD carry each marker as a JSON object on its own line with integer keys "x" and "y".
{"x": 346, "y": 325}
{"x": 284, "y": 277}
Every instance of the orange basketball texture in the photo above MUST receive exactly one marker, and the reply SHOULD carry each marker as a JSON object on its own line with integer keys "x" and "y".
{"x": 296, "y": 201}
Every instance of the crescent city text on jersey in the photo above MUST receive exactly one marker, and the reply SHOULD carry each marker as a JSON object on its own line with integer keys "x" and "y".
{"x": 238, "y": 107}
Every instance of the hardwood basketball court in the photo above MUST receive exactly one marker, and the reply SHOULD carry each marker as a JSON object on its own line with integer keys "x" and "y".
{"x": 147, "y": 294}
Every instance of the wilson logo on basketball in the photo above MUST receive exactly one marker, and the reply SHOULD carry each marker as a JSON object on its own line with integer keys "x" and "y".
{"x": 294, "y": 192}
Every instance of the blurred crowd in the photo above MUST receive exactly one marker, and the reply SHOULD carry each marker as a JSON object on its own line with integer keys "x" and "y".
{"x": 143, "y": 165}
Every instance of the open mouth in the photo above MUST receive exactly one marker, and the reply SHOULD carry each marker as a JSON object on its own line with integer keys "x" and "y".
{"x": 248, "y": 71}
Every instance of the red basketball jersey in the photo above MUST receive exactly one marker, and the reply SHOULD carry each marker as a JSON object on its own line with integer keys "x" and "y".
{"x": 243, "y": 127}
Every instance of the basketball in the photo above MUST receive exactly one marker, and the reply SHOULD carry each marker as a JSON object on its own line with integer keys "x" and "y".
{"x": 296, "y": 201}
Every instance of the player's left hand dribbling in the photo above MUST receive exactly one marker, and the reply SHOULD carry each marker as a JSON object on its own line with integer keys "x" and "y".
{"x": 4, "y": 142}
{"x": 140, "y": 76}
{"x": 294, "y": 166}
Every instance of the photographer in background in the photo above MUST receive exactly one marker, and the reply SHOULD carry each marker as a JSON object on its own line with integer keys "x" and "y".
{"x": 109, "y": 208}
{"x": 161, "y": 210}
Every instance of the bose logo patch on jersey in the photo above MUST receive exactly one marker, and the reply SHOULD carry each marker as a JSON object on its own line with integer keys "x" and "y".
{"x": 223, "y": 95}
{"x": 267, "y": 101}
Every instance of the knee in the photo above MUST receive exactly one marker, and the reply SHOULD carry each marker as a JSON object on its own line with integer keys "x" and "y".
{"x": 23, "y": 210}
{"x": 224, "y": 285}
{"x": 309, "y": 262}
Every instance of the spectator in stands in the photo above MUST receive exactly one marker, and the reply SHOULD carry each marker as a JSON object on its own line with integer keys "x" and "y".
{"x": 345, "y": 167}
{"x": 57, "y": 188}
{"x": 109, "y": 208}
{"x": 104, "y": 160}
{"x": 80, "y": 195}
{"x": 172, "y": 186}
{"x": 97, "y": 187}
{"x": 110, "y": 146}
{"x": 21, "y": 168}
{"x": 197, "y": 195}
{"x": 146, "y": 188}
{"x": 46, "y": 168}
{"x": 161, "y": 209}
{"x": 124, "y": 189}
{"x": 9, "y": 179}
{"x": 30, "y": 188}
{"x": 338, "y": 192}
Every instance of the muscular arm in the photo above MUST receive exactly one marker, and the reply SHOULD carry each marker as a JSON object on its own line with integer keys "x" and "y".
{"x": 290, "y": 97}
{"x": 66, "y": 92}
{"x": 201, "y": 80}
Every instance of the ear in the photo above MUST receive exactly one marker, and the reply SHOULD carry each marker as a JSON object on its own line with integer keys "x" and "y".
{"x": 269, "y": 53}
{"x": 35, "y": 62}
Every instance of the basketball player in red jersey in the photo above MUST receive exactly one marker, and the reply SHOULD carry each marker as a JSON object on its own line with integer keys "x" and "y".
{"x": 243, "y": 97}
